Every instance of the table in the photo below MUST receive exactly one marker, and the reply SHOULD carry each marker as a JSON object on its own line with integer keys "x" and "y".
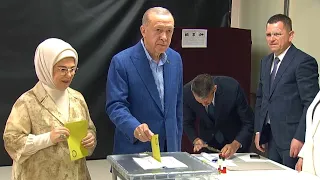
{"x": 285, "y": 173}
{"x": 123, "y": 167}
{"x": 126, "y": 168}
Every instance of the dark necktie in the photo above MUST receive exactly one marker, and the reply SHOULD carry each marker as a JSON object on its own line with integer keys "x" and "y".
{"x": 272, "y": 77}
{"x": 218, "y": 135}
{"x": 211, "y": 111}
{"x": 274, "y": 70}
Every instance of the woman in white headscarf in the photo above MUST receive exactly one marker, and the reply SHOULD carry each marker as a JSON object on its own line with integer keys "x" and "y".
{"x": 309, "y": 160}
{"x": 35, "y": 136}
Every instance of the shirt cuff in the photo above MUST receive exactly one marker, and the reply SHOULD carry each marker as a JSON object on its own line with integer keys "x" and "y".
{"x": 37, "y": 142}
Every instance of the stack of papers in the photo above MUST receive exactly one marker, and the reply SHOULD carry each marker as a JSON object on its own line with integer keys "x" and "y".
{"x": 166, "y": 162}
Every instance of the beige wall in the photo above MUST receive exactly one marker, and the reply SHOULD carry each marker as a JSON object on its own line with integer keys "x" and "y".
{"x": 305, "y": 15}
{"x": 253, "y": 14}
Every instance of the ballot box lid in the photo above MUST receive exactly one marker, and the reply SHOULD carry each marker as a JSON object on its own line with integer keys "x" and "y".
{"x": 130, "y": 170}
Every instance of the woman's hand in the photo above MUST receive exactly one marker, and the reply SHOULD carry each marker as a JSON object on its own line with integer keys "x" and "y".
{"x": 59, "y": 134}
{"x": 88, "y": 141}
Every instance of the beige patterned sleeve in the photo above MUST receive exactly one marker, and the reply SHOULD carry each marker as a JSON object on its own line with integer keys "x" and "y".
{"x": 16, "y": 132}
{"x": 92, "y": 128}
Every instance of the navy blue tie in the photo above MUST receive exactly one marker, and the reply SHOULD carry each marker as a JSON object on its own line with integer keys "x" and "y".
{"x": 218, "y": 135}
{"x": 211, "y": 111}
{"x": 274, "y": 70}
{"x": 272, "y": 77}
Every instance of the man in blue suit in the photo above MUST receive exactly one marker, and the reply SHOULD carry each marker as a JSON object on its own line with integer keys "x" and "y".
{"x": 144, "y": 89}
{"x": 288, "y": 84}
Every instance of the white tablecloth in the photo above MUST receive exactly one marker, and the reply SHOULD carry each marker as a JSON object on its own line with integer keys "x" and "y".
{"x": 285, "y": 174}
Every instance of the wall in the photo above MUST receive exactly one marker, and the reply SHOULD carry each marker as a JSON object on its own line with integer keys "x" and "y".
{"x": 306, "y": 24}
{"x": 253, "y": 14}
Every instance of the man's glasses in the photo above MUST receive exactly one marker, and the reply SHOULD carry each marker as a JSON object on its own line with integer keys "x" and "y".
{"x": 64, "y": 70}
{"x": 276, "y": 35}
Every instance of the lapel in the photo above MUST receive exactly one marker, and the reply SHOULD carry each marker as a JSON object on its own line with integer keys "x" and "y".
{"x": 218, "y": 102}
{"x": 168, "y": 79}
{"x": 268, "y": 73}
{"x": 203, "y": 114}
{"x": 47, "y": 102}
{"x": 312, "y": 123}
{"x": 73, "y": 106}
{"x": 315, "y": 126}
{"x": 282, "y": 68}
{"x": 141, "y": 63}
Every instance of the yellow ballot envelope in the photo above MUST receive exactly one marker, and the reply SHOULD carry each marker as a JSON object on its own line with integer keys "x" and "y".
{"x": 78, "y": 130}
{"x": 155, "y": 147}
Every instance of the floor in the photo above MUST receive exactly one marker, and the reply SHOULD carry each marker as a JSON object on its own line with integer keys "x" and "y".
{"x": 99, "y": 170}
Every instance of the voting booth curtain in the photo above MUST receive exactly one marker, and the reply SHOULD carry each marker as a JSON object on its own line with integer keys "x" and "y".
{"x": 97, "y": 29}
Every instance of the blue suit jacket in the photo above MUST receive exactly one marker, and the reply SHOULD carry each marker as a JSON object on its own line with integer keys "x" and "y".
{"x": 133, "y": 99}
{"x": 287, "y": 101}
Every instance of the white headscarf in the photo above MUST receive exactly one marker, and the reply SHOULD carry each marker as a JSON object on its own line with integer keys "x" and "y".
{"x": 47, "y": 54}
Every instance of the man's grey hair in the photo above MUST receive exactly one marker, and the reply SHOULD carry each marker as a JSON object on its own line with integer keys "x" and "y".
{"x": 156, "y": 10}
{"x": 202, "y": 85}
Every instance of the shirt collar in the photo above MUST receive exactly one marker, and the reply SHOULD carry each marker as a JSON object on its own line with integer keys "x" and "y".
{"x": 163, "y": 56}
{"x": 281, "y": 56}
{"x": 214, "y": 97}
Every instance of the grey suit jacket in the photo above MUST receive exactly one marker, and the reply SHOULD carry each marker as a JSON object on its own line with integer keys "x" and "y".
{"x": 287, "y": 101}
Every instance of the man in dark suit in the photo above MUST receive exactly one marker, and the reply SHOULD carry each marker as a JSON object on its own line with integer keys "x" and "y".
{"x": 288, "y": 84}
{"x": 226, "y": 119}
{"x": 144, "y": 89}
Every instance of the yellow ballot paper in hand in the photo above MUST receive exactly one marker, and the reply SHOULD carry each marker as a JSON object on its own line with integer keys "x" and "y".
{"x": 78, "y": 130}
{"x": 155, "y": 147}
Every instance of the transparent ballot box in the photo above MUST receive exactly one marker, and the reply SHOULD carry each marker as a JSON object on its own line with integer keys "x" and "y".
{"x": 125, "y": 167}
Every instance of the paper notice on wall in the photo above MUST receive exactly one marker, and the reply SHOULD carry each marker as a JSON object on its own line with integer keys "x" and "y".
{"x": 194, "y": 38}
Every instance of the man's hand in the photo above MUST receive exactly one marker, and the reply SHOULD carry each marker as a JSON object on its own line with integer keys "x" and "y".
{"x": 261, "y": 147}
{"x": 295, "y": 147}
{"x": 229, "y": 149}
{"x": 198, "y": 144}
{"x": 299, "y": 165}
{"x": 143, "y": 133}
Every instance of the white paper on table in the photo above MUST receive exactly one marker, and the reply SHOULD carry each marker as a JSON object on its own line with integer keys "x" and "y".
{"x": 246, "y": 158}
{"x": 166, "y": 162}
{"x": 210, "y": 157}
{"x": 194, "y": 38}
{"x": 207, "y": 160}
{"x": 211, "y": 163}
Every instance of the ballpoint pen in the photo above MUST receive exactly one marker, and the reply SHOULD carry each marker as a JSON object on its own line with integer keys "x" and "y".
{"x": 213, "y": 149}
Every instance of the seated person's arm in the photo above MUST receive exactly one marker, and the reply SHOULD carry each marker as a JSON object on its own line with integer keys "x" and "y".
{"x": 189, "y": 122}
